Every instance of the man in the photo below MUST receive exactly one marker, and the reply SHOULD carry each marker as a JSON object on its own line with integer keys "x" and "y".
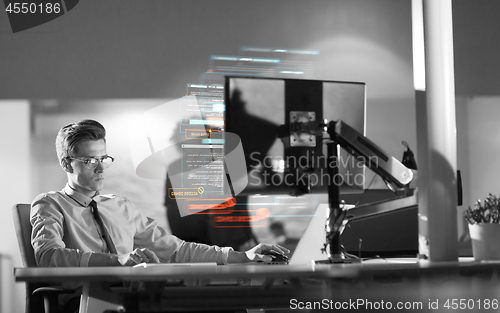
{"x": 78, "y": 226}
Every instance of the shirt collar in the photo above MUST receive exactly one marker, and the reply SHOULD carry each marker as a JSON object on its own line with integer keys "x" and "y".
{"x": 82, "y": 199}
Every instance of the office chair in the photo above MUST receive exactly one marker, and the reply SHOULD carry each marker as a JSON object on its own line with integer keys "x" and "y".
{"x": 39, "y": 296}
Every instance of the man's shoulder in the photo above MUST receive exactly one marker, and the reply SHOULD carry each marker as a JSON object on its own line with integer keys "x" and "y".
{"x": 51, "y": 200}
{"x": 50, "y": 195}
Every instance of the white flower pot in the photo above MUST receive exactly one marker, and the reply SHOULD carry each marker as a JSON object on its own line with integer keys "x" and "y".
{"x": 485, "y": 241}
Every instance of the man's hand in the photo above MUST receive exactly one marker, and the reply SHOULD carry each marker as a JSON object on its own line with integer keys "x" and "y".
{"x": 139, "y": 255}
{"x": 256, "y": 254}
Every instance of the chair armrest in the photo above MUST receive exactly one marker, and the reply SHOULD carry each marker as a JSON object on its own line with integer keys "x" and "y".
{"x": 50, "y": 297}
{"x": 42, "y": 291}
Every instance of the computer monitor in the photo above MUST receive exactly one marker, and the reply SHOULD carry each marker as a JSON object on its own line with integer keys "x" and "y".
{"x": 281, "y": 159}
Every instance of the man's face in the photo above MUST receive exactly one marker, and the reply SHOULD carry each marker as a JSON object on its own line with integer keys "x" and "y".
{"x": 81, "y": 178}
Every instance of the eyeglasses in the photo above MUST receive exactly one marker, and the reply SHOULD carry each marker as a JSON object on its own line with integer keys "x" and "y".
{"x": 92, "y": 162}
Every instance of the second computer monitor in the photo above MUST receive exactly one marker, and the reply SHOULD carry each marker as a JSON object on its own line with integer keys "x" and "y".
{"x": 280, "y": 123}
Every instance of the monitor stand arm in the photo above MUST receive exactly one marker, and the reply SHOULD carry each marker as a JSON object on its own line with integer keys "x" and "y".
{"x": 336, "y": 215}
{"x": 395, "y": 174}
{"x": 304, "y": 128}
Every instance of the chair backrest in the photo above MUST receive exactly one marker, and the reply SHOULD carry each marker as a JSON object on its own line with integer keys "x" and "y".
{"x": 21, "y": 215}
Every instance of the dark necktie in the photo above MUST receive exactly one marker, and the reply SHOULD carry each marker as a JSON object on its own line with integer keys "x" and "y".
{"x": 105, "y": 234}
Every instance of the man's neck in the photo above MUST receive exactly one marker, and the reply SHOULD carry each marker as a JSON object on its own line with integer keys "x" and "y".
{"x": 87, "y": 192}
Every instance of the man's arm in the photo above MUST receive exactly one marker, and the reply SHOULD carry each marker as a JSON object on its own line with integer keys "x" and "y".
{"x": 169, "y": 248}
{"x": 103, "y": 259}
{"x": 47, "y": 220}
{"x": 56, "y": 257}
{"x": 135, "y": 257}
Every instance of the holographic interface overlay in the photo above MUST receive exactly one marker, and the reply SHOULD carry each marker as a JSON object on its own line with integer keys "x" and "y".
{"x": 263, "y": 62}
{"x": 250, "y": 61}
{"x": 227, "y": 213}
{"x": 181, "y": 140}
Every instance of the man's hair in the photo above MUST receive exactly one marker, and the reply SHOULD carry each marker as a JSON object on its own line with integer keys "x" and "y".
{"x": 71, "y": 135}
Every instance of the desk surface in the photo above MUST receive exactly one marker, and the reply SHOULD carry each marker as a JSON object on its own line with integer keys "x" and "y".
{"x": 179, "y": 271}
{"x": 247, "y": 271}
{"x": 375, "y": 280}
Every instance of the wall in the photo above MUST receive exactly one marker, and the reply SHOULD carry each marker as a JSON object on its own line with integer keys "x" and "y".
{"x": 464, "y": 161}
{"x": 483, "y": 146}
{"x": 117, "y": 49}
{"x": 477, "y": 66}
{"x": 477, "y": 147}
{"x": 16, "y": 187}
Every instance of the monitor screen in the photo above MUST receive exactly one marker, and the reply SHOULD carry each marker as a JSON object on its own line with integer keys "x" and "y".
{"x": 264, "y": 113}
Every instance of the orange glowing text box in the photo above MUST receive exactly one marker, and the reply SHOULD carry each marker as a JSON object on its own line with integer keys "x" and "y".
{"x": 216, "y": 206}
{"x": 184, "y": 193}
{"x": 197, "y": 134}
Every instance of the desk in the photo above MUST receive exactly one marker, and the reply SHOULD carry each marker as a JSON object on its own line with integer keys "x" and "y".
{"x": 423, "y": 287}
{"x": 204, "y": 287}
{"x": 401, "y": 286}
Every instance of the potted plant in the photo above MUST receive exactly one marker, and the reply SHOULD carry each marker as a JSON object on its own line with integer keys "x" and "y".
{"x": 484, "y": 228}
